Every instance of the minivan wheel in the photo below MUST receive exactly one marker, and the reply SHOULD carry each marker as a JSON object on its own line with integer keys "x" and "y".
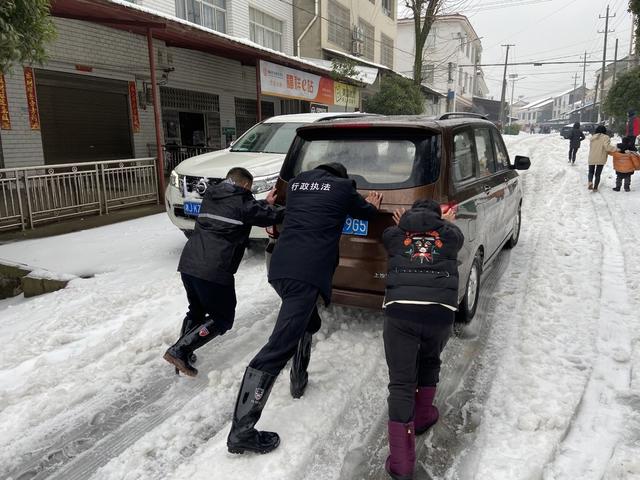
{"x": 469, "y": 302}
{"x": 515, "y": 236}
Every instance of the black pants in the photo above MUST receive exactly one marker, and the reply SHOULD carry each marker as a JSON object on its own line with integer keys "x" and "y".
{"x": 626, "y": 177}
{"x": 573, "y": 151}
{"x": 208, "y": 299}
{"x": 298, "y": 314}
{"x": 597, "y": 170}
{"x": 412, "y": 345}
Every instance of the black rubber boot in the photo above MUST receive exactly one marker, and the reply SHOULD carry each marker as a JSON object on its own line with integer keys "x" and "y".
{"x": 252, "y": 397}
{"x": 187, "y": 324}
{"x": 299, "y": 376}
{"x": 179, "y": 354}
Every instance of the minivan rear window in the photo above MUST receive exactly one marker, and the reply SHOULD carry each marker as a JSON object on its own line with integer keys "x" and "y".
{"x": 374, "y": 160}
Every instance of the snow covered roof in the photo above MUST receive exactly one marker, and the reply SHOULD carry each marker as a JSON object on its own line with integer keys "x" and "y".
{"x": 538, "y": 103}
{"x": 367, "y": 75}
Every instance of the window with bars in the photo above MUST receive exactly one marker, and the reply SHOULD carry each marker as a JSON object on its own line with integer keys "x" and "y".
{"x": 387, "y": 8}
{"x": 265, "y": 30}
{"x": 187, "y": 100}
{"x": 369, "y": 37}
{"x": 208, "y": 13}
{"x": 339, "y": 25}
{"x": 386, "y": 51}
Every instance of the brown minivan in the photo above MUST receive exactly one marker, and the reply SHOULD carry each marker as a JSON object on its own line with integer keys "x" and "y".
{"x": 459, "y": 160}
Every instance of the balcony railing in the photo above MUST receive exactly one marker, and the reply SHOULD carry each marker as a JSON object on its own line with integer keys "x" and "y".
{"x": 34, "y": 195}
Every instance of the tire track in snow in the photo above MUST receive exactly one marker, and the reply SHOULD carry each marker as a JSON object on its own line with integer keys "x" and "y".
{"x": 598, "y": 415}
{"x": 81, "y": 449}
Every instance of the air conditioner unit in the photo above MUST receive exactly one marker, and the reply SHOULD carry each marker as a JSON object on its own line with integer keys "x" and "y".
{"x": 356, "y": 48}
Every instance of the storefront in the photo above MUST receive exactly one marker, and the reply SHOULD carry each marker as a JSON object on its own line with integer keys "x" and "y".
{"x": 304, "y": 92}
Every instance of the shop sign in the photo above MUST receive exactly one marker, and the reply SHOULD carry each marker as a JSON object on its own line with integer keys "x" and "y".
{"x": 32, "y": 98}
{"x": 287, "y": 82}
{"x": 318, "y": 108}
{"x": 346, "y": 95}
{"x": 133, "y": 100}
{"x": 229, "y": 131}
{"x": 5, "y": 120}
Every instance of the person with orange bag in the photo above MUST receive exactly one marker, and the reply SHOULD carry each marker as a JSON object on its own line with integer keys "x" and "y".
{"x": 625, "y": 162}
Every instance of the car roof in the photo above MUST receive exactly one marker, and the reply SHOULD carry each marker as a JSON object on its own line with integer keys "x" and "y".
{"x": 311, "y": 117}
{"x": 409, "y": 121}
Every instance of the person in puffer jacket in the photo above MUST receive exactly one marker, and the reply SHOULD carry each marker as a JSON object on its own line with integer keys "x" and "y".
{"x": 420, "y": 302}
{"x": 625, "y": 162}
{"x": 600, "y": 147}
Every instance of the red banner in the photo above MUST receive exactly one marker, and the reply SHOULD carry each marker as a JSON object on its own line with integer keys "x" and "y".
{"x": 32, "y": 98}
{"x": 5, "y": 119}
{"x": 135, "y": 115}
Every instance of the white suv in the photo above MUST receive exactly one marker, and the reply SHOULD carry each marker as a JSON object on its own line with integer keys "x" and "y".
{"x": 261, "y": 150}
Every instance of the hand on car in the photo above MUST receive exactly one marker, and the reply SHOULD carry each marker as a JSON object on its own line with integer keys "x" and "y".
{"x": 397, "y": 214}
{"x": 271, "y": 196}
{"x": 374, "y": 198}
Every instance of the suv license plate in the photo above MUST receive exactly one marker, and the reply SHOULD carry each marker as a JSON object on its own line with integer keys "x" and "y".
{"x": 355, "y": 226}
{"x": 192, "y": 209}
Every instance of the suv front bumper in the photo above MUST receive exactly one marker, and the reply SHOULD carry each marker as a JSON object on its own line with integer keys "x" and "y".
{"x": 174, "y": 204}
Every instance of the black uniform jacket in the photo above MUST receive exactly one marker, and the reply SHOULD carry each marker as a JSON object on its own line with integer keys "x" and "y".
{"x": 222, "y": 229}
{"x": 423, "y": 259}
{"x": 317, "y": 206}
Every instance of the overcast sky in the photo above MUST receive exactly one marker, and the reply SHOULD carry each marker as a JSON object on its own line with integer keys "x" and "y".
{"x": 545, "y": 30}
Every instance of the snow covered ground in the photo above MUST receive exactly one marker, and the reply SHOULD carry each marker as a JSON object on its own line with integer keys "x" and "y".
{"x": 544, "y": 384}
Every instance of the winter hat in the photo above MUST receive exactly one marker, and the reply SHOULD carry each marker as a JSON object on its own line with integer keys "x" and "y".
{"x": 334, "y": 168}
{"x": 601, "y": 129}
{"x": 629, "y": 144}
{"x": 428, "y": 204}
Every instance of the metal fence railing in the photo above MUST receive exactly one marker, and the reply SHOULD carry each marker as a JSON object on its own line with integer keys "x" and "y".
{"x": 33, "y": 195}
{"x": 173, "y": 155}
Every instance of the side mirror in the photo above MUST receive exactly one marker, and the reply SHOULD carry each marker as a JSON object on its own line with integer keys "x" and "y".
{"x": 521, "y": 163}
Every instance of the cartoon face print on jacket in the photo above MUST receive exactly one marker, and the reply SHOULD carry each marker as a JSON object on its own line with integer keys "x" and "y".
{"x": 421, "y": 247}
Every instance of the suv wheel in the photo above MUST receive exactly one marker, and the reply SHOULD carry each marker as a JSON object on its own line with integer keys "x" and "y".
{"x": 469, "y": 302}
{"x": 515, "y": 236}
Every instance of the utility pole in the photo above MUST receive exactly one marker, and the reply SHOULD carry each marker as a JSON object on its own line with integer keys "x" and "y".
{"x": 584, "y": 83}
{"x": 604, "y": 59}
{"x": 450, "y": 90}
{"x": 633, "y": 47}
{"x": 615, "y": 64}
{"x": 514, "y": 78}
{"x": 595, "y": 98}
{"x": 504, "y": 87}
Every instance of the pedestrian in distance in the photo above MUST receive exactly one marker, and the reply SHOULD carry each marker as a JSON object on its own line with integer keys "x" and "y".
{"x": 420, "y": 302}
{"x": 633, "y": 125}
{"x": 625, "y": 162}
{"x": 211, "y": 258}
{"x": 575, "y": 139}
{"x": 599, "y": 148}
{"x": 301, "y": 271}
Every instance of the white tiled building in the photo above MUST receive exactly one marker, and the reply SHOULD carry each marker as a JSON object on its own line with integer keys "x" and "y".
{"x": 450, "y": 58}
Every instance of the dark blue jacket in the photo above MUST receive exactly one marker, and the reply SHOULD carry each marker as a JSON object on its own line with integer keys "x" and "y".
{"x": 423, "y": 258}
{"x": 222, "y": 230}
{"x": 318, "y": 203}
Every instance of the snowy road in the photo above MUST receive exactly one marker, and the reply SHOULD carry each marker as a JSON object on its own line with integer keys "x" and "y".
{"x": 544, "y": 384}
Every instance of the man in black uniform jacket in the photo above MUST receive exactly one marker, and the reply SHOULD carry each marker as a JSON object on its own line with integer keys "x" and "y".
{"x": 301, "y": 270}
{"x": 211, "y": 258}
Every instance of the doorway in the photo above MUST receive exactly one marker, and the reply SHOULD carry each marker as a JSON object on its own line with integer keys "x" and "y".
{"x": 192, "y": 129}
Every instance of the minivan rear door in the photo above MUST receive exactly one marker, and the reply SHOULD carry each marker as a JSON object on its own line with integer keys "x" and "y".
{"x": 401, "y": 162}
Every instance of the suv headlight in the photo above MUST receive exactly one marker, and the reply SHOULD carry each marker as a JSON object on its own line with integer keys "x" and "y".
{"x": 264, "y": 184}
{"x": 174, "y": 179}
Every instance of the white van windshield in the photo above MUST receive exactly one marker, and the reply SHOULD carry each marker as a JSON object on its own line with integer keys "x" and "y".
{"x": 267, "y": 138}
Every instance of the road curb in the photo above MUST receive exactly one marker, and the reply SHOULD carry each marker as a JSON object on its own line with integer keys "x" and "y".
{"x": 17, "y": 278}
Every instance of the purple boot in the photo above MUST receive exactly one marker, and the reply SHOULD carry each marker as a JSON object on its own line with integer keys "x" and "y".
{"x": 426, "y": 412}
{"x": 402, "y": 451}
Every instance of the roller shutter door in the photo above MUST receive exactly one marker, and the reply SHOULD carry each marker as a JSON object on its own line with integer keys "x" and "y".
{"x": 83, "y": 118}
